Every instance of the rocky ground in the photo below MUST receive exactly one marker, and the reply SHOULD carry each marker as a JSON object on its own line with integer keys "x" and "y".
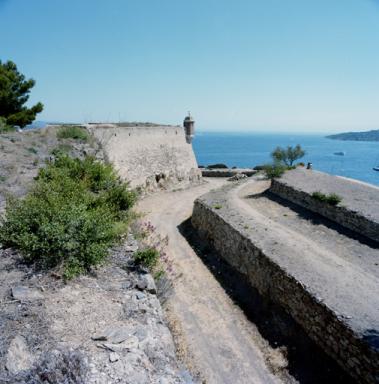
{"x": 107, "y": 327}
{"x": 104, "y": 328}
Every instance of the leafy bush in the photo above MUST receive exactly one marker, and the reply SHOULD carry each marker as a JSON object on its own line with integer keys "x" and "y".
{"x": 332, "y": 199}
{"x": 148, "y": 257}
{"x": 73, "y": 132}
{"x": 273, "y": 171}
{"x": 319, "y": 196}
{"x": 75, "y": 212}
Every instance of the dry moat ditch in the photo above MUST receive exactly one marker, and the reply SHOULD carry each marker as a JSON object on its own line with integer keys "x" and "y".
{"x": 307, "y": 362}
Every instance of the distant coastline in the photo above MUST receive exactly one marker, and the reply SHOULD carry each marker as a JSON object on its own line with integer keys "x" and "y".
{"x": 357, "y": 136}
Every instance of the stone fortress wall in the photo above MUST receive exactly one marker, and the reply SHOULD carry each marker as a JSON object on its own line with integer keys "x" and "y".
{"x": 280, "y": 276}
{"x": 151, "y": 157}
{"x": 358, "y": 210}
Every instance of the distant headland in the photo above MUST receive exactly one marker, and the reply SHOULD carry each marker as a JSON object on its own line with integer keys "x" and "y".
{"x": 357, "y": 136}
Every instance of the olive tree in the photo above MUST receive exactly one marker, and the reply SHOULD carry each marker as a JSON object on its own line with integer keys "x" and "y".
{"x": 287, "y": 155}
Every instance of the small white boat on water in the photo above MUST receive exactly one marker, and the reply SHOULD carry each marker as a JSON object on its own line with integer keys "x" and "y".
{"x": 376, "y": 168}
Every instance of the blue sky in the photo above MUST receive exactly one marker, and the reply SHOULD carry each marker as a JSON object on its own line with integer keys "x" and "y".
{"x": 267, "y": 65}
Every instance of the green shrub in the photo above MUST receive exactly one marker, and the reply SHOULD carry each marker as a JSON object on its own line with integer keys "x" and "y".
{"x": 273, "y": 171}
{"x": 61, "y": 150}
{"x": 319, "y": 196}
{"x": 73, "y": 132}
{"x": 69, "y": 218}
{"x": 332, "y": 199}
{"x": 148, "y": 257}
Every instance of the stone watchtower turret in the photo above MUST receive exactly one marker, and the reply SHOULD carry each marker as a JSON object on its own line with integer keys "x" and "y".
{"x": 189, "y": 128}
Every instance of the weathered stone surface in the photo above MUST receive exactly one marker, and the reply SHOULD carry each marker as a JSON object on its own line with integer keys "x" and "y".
{"x": 23, "y": 293}
{"x": 147, "y": 283}
{"x": 18, "y": 357}
{"x": 115, "y": 335}
{"x": 113, "y": 357}
{"x": 152, "y": 157}
{"x": 237, "y": 177}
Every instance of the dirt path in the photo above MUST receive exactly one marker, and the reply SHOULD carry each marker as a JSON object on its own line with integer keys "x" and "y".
{"x": 224, "y": 346}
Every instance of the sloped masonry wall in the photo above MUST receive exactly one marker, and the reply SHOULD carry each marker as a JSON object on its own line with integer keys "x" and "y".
{"x": 152, "y": 157}
{"x": 337, "y": 339}
{"x": 349, "y": 217}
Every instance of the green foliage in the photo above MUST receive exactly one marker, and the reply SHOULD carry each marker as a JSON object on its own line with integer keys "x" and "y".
{"x": 74, "y": 213}
{"x": 4, "y": 127}
{"x": 61, "y": 150}
{"x": 332, "y": 199}
{"x": 287, "y": 155}
{"x": 273, "y": 171}
{"x": 148, "y": 257}
{"x": 14, "y": 93}
{"x": 73, "y": 132}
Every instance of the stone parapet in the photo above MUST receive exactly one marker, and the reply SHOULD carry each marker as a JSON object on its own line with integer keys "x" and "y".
{"x": 358, "y": 210}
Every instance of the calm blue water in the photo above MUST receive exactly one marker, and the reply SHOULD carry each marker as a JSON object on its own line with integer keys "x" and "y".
{"x": 250, "y": 149}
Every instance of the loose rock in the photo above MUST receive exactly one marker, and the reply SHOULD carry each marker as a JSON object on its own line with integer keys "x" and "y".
{"x": 26, "y": 294}
{"x": 18, "y": 357}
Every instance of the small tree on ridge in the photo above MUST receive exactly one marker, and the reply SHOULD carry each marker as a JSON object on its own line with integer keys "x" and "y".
{"x": 287, "y": 155}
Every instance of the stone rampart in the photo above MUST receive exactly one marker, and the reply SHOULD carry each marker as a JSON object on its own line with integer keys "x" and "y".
{"x": 151, "y": 157}
{"x": 279, "y": 275}
{"x": 358, "y": 210}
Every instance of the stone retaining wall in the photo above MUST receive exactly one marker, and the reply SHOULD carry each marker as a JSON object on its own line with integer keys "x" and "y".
{"x": 357, "y": 355}
{"x": 227, "y": 172}
{"x": 345, "y": 214}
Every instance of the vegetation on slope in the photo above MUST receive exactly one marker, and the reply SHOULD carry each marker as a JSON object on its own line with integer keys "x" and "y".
{"x": 332, "y": 198}
{"x": 73, "y": 132}
{"x": 76, "y": 210}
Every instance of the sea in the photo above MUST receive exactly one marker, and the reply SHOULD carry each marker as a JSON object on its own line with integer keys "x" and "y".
{"x": 251, "y": 149}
